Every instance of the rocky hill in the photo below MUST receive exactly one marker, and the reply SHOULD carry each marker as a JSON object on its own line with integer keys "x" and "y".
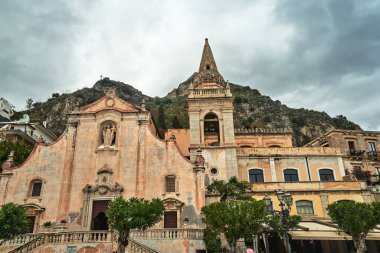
{"x": 251, "y": 110}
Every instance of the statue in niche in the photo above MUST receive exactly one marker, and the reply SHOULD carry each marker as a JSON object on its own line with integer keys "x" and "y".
{"x": 109, "y": 133}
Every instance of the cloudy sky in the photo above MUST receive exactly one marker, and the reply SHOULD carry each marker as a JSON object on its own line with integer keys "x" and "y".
{"x": 322, "y": 55}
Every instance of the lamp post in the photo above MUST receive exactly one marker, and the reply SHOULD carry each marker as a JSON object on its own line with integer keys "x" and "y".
{"x": 285, "y": 202}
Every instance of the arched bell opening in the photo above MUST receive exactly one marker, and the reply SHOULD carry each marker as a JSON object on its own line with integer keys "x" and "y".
{"x": 211, "y": 130}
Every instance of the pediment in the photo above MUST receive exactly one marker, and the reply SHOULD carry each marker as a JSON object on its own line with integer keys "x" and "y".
{"x": 110, "y": 101}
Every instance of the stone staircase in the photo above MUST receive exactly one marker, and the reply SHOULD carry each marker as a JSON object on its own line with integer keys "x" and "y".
{"x": 136, "y": 247}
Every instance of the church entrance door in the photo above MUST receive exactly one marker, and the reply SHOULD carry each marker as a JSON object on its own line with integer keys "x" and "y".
{"x": 170, "y": 220}
{"x": 98, "y": 218}
{"x": 32, "y": 221}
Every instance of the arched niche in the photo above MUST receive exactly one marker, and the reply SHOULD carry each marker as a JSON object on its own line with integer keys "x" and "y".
{"x": 108, "y": 134}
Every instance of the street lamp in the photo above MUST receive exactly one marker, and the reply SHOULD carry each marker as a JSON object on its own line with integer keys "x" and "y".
{"x": 286, "y": 202}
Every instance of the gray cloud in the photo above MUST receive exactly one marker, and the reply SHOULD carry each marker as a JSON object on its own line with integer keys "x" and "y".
{"x": 321, "y": 55}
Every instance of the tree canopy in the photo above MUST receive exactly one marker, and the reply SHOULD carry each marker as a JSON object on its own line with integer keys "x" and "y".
{"x": 233, "y": 189}
{"x": 125, "y": 215}
{"x": 20, "y": 148}
{"x": 355, "y": 219}
{"x": 234, "y": 219}
{"x": 13, "y": 220}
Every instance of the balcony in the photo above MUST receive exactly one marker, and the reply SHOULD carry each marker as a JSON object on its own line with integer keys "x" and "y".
{"x": 373, "y": 155}
{"x": 354, "y": 154}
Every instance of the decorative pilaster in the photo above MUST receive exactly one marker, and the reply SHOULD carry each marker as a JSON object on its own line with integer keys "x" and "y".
{"x": 141, "y": 158}
{"x": 199, "y": 169}
{"x": 325, "y": 202}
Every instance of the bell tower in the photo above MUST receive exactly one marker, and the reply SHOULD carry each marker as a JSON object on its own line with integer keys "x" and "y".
{"x": 210, "y": 108}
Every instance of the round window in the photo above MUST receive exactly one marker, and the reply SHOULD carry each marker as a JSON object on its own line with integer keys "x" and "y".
{"x": 214, "y": 171}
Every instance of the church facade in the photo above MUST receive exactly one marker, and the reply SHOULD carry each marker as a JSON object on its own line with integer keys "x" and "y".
{"x": 112, "y": 148}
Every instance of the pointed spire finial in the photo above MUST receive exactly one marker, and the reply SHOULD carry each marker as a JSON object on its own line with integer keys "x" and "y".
{"x": 208, "y": 71}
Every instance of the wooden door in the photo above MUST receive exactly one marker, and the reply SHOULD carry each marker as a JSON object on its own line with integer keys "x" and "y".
{"x": 170, "y": 220}
{"x": 32, "y": 221}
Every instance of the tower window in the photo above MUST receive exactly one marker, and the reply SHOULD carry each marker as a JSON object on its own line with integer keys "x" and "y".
{"x": 208, "y": 66}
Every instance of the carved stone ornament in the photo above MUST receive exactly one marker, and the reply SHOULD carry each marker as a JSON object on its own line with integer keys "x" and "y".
{"x": 110, "y": 102}
{"x": 103, "y": 189}
{"x": 171, "y": 203}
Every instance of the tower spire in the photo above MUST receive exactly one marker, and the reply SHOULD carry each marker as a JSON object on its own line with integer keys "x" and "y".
{"x": 207, "y": 60}
{"x": 208, "y": 71}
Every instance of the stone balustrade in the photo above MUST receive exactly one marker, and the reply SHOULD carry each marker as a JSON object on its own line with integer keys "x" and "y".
{"x": 291, "y": 151}
{"x": 82, "y": 236}
{"x": 21, "y": 239}
{"x": 258, "y": 130}
{"x": 191, "y": 234}
{"x": 64, "y": 237}
{"x": 222, "y": 92}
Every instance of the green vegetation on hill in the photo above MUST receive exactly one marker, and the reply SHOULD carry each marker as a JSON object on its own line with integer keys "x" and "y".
{"x": 252, "y": 109}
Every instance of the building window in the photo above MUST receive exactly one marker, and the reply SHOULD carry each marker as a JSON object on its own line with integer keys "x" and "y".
{"x": 304, "y": 207}
{"x": 256, "y": 176}
{"x": 35, "y": 188}
{"x": 351, "y": 145}
{"x": 291, "y": 175}
{"x": 372, "y": 146}
{"x": 326, "y": 175}
{"x": 170, "y": 184}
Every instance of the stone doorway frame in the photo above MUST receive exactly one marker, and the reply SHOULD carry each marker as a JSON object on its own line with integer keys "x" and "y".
{"x": 34, "y": 210}
{"x": 174, "y": 205}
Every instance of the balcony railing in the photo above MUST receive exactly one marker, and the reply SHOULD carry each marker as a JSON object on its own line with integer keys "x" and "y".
{"x": 373, "y": 155}
{"x": 362, "y": 154}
